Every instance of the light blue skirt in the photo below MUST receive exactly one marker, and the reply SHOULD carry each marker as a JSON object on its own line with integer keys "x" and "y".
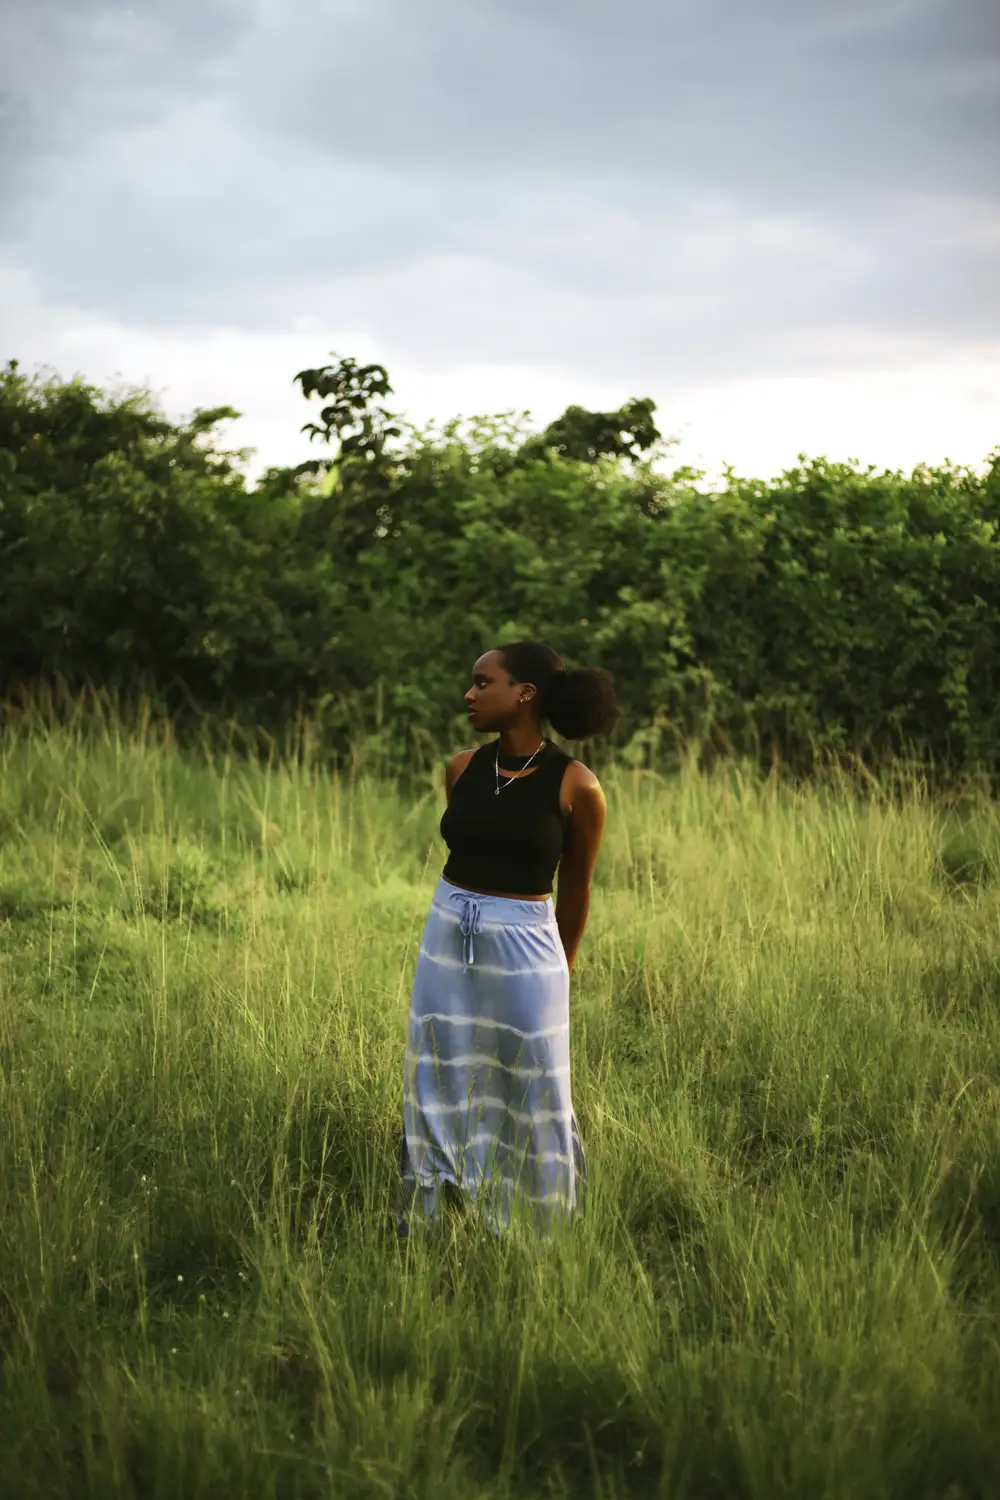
{"x": 486, "y": 1088}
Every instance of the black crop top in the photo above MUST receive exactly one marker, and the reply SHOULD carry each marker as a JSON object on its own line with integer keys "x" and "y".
{"x": 511, "y": 842}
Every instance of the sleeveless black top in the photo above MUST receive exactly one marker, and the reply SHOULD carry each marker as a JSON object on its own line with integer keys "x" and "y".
{"x": 511, "y": 842}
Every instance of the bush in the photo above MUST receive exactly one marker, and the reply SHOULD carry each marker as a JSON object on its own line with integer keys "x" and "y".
{"x": 834, "y": 609}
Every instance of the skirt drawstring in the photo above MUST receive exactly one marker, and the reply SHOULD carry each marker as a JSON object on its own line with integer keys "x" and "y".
{"x": 471, "y": 921}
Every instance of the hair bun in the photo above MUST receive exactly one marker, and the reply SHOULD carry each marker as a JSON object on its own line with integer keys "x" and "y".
{"x": 578, "y": 701}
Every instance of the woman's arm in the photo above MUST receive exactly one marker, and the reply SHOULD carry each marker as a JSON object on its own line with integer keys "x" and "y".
{"x": 576, "y": 868}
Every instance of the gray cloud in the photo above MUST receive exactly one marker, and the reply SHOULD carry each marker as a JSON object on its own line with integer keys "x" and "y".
{"x": 794, "y": 98}
{"x": 686, "y": 189}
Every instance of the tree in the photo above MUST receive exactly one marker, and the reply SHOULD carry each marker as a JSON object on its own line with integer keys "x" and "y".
{"x": 589, "y": 435}
{"x": 354, "y": 391}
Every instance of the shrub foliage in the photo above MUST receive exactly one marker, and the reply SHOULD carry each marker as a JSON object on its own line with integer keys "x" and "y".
{"x": 834, "y": 607}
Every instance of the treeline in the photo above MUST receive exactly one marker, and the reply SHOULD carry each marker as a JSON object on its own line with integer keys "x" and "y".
{"x": 833, "y": 609}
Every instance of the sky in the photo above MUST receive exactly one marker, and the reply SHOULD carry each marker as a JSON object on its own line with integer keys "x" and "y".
{"x": 779, "y": 220}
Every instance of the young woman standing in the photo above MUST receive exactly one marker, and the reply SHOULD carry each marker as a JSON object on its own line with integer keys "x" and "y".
{"x": 487, "y": 1107}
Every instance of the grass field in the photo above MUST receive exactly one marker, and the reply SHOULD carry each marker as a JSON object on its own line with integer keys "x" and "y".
{"x": 785, "y": 1279}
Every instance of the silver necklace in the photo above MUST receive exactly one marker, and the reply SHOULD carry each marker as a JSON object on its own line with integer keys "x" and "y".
{"x": 496, "y": 768}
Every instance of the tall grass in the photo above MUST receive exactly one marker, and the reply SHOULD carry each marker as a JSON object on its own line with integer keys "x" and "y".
{"x": 785, "y": 1278}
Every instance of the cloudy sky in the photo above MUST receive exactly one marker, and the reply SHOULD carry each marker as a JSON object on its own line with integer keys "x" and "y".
{"x": 778, "y": 218}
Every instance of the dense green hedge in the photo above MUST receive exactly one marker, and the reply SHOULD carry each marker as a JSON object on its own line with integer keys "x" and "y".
{"x": 834, "y": 606}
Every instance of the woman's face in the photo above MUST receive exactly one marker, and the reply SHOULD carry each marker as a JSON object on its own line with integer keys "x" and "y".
{"x": 493, "y": 701}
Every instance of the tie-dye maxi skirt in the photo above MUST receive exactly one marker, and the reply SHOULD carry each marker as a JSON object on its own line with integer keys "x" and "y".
{"x": 486, "y": 1086}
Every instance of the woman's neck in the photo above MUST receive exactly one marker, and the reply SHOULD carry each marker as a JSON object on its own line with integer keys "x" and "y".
{"x": 522, "y": 740}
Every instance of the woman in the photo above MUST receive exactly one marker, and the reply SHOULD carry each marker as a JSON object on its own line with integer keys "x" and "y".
{"x": 486, "y": 1097}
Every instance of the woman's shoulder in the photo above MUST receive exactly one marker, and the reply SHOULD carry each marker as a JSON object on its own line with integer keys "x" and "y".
{"x": 578, "y": 776}
{"x": 461, "y": 758}
{"x": 457, "y": 764}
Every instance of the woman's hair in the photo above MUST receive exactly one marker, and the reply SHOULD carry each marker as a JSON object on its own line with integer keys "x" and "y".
{"x": 577, "y": 703}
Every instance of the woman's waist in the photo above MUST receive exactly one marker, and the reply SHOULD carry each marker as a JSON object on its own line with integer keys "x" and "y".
{"x": 475, "y": 890}
{"x": 503, "y": 907}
